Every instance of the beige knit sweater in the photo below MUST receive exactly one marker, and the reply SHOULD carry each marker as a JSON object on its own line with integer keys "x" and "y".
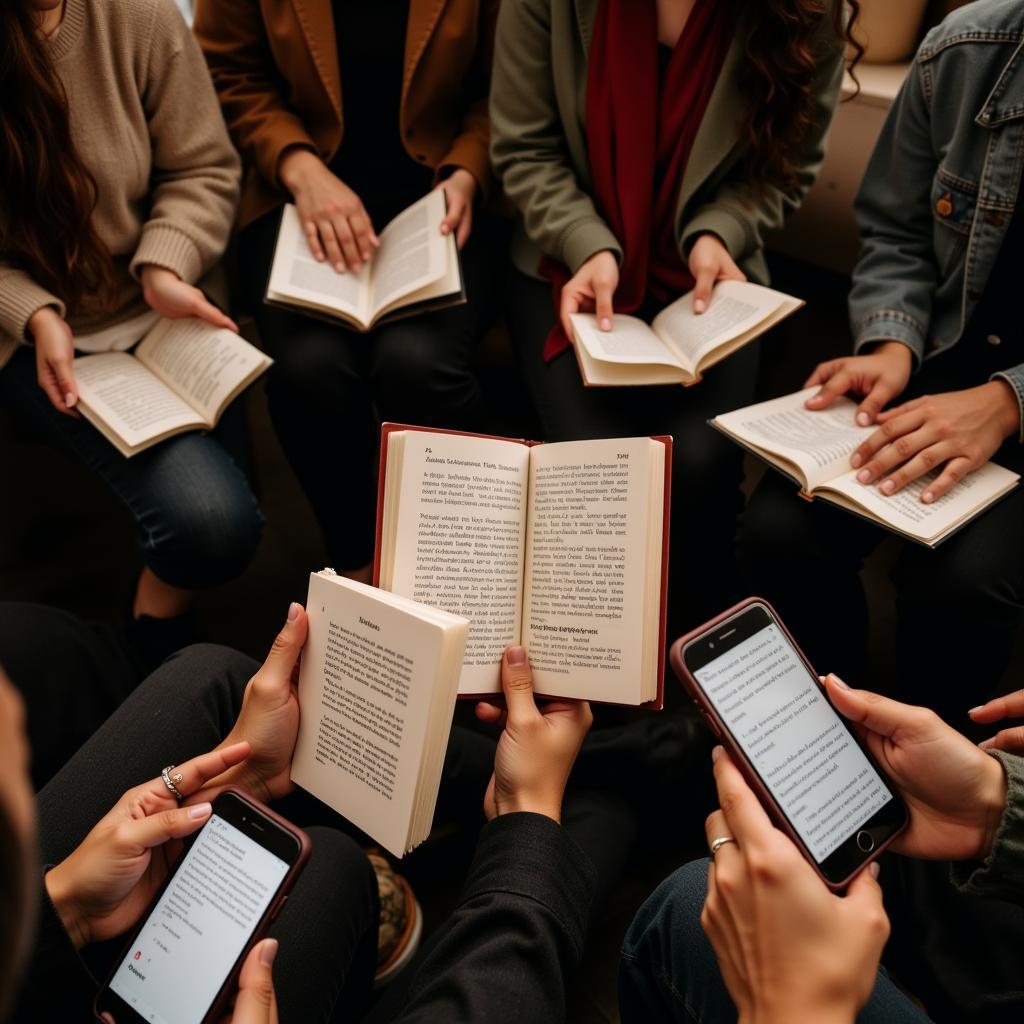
{"x": 146, "y": 122}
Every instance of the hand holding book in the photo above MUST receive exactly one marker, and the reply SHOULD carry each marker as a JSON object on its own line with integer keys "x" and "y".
{"x": 537, "y": 747}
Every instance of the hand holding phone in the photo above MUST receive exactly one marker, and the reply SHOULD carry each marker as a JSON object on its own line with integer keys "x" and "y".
{"x": 956, "y": 793}
{"x": 789, "y": 949}
{"x": 764, "y": 702}
{"x": 102, "y": 888}
{"x": 183, "y": 963}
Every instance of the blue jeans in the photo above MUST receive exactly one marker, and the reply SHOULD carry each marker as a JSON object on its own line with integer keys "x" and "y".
{"x": 198, "y": 523}
{"x": 668, "y": 970}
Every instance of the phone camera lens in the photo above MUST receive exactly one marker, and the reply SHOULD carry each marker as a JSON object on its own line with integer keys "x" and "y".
{"x": 712, "y": 646}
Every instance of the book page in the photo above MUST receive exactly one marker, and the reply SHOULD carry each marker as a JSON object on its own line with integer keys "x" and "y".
{"x": 412, "y": 252}
{"x": 586, "y": 567}
{"x": 818, "y": 443}
{"x": 295, "y": 275}
{"x": 629, "y": 341}
{"x": 736, "y": 307}
{"x": 134, "y": 404}
{"x": 906, "y": 512}
{"x": 460, "y": 538}
{"x": 366, "y": 683}
{"x": 205, "y": 365}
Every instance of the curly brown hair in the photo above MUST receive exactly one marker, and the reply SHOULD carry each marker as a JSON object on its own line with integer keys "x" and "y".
{"x": 48, "y": 193}
{"x": 785, "y": 41}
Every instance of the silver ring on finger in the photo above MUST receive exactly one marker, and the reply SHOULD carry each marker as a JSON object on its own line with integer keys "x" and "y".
{"x": 717, "y": 844}
{"x": 171, "y": 781}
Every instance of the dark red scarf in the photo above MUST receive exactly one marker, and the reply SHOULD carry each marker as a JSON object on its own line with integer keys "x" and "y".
{"x": 639, "y": 139}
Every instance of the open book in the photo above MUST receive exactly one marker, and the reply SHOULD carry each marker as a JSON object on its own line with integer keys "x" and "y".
{"x": 814, "y": 449}
{"x": 679, "y": 345}
{"x": 181, "y": 377}
{"x": 377, "y": 689}
{"x": 560, "y": 547}
{"x": 416, "y": 268}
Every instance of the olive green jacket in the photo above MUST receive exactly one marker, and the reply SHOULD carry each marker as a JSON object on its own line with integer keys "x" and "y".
{"x": 539, "y": 147}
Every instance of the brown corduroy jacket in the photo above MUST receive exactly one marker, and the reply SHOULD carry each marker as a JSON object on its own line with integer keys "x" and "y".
{"x": 275, "y": 67}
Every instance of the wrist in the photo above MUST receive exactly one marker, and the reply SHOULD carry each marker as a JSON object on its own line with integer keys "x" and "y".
{"x": 807, "y": 1012}
{"x": 59, "y": 889}
{"x": 992, "y": 800}
{"x": 895, "y": 351}
{"x": 39, "y": 318}
{"x": 548, "y": 806}
{"x": 150, "y": 275}
{"x": 295, "y": 166}
{"x": 1009, "y": 409}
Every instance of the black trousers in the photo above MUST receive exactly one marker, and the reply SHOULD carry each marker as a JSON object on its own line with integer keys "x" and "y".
{"x": 329, "y": 386}
{"x": 328, "y": 929}
{"x": 707, "y": 470}
{"x": 958, "y": 606}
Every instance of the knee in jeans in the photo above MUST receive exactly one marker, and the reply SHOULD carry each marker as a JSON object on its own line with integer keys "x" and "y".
{"x": 668, "y": 922}
{"x": 206, "y": 542}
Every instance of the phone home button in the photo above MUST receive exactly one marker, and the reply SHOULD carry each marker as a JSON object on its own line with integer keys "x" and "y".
{"x": 865, "y": 841}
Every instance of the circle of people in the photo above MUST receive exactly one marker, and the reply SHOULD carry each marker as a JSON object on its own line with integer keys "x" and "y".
{"x": 595, "y": 156}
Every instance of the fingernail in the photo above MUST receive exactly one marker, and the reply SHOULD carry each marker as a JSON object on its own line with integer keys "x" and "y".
{"x": 517, "y": 655}
{"x": 874, "y": 869}
{"x": 927, "y": 497}
{"x": 699, "y": 306}
{"x": 268, "y": 952}
{"x": 864, "y": 419}
{"x": 835, "y": 679}
{"x": 197, "y": 811}
{"x": 856, "y": 460}
{"x": 339, "y": 267}
{"x": 973, "y": 710}
{"x": 606, "y": 324}
{"x": 366, "y": 256}
{"x": 69, "y": 399}
{"x": 887, "y": 487}
{"x": 863, "y": 476}
{"x": 716, "y": 752}
{"x": 987, "y": 744}
{"x": 293, "y": 611}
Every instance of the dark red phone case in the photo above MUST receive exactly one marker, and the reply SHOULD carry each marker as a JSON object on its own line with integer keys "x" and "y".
{"x": 739, "y": 758}
{"x": 220, "y": 1004}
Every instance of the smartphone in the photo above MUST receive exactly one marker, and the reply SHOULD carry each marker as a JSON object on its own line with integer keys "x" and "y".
{"x": 182, "y": 963}
{"x": 765, "y": 704}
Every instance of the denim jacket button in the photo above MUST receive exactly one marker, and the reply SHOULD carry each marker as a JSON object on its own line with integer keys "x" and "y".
{"x": 994, "y": 339}
{"x": 944, "y": 204}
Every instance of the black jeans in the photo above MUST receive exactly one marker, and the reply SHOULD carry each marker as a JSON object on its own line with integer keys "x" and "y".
{"x": 71, "y": 676}
{"x": 958, "y": 606}
{"x": 707, "y": 470}
{"x": 328, "y": 929}
{"x": 329, "y": 385}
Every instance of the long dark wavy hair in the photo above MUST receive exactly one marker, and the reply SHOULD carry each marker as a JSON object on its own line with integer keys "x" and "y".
{"x": 47, "y": 194}
{"x": 785, "y": 40}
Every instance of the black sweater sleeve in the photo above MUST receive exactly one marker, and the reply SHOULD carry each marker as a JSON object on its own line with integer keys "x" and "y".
{"x": 504, "y": 954}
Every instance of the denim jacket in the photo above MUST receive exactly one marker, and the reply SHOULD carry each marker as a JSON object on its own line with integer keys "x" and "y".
{"x": 942, "y": 184}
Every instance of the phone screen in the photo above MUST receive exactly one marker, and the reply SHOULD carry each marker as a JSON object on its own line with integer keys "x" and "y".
{"x": 198, "y": 928}
{"x": 804, "y": 753}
